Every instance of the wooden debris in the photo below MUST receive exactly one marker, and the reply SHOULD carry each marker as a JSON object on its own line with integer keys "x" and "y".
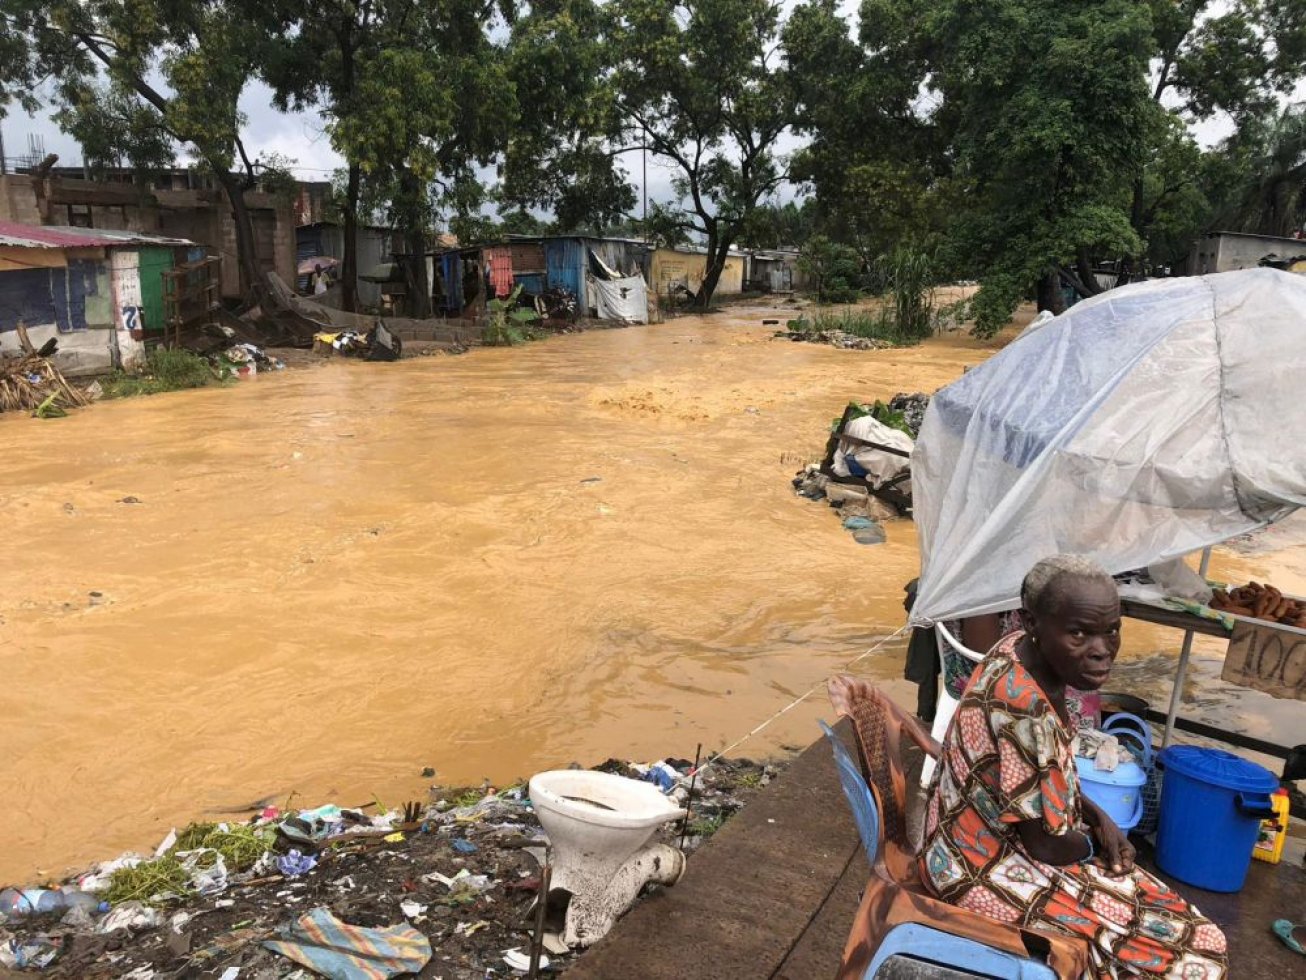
{"x": 28, "y": 382}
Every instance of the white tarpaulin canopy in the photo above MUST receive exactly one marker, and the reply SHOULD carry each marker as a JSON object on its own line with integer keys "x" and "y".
{"x": 1142, "y": 424}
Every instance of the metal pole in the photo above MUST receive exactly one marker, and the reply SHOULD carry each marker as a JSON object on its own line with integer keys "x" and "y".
{"x": 4, "y": 168}
{"x": 1185, "y": 652}
{"x": 542, "y": 899}
{"x": 643, "y": 183}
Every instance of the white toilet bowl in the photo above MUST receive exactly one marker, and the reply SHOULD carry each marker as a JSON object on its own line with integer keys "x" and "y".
{"x": 599, "y": 826}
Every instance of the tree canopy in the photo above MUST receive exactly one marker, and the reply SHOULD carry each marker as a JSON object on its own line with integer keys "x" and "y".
{"x": 1038, "y": 147}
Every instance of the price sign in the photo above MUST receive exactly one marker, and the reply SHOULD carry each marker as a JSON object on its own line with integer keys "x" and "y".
{"x": 1267, "y": 659}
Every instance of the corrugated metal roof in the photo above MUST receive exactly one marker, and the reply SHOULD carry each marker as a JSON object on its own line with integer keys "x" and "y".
{"x": 16, "y": 235}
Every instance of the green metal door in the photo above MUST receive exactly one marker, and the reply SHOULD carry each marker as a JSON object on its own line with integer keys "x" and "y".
{"x": 153, "y": 263}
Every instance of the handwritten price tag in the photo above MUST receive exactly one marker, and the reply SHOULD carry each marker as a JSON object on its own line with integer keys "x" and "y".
{"x": 1269, "y": 660}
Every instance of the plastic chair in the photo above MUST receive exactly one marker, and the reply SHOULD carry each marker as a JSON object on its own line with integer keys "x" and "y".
{"x": 947, "y": 704}
{"x": 901, "y": 930}
{"x": 913, "y": 943}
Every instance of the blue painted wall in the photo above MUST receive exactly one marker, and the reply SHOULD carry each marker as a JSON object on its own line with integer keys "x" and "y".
{"x": 564, "y": 259}
{"x": 41, "y": 296}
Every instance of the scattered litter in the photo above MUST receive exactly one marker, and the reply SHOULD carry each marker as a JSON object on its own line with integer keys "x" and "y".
{"x": 129, "y": 916}
{"x": 207, "y": 869}
{"x": 396, "y": 838}
{"x": 335, "y": 949}
{"x": 413, "y": 911}
{"x": 554, "y": 944}
{"x": 521, "y": 962}
{"x": 230, "y": 973}
{"x": 98, "y": 880}
{"x": 33, "y": 953}
{"x": 662, "y": 776}
{"x": 475, "y": 907}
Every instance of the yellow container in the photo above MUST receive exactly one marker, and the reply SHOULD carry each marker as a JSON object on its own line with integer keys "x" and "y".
{"x": 1269, "y": 842}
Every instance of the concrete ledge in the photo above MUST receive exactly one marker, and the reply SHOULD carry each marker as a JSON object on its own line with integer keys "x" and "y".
{"x": 753, "y": 893}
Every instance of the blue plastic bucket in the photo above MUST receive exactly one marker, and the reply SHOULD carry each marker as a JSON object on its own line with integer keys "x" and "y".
{"x": 1119, "y": 792}
{"x": 1212, "y": 804}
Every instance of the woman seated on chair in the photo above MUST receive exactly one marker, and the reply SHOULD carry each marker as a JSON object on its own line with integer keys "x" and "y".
{"x": 1007, "y": 832}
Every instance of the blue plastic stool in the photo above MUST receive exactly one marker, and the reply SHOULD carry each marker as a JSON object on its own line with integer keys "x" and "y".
{"x": 912, "y": 949}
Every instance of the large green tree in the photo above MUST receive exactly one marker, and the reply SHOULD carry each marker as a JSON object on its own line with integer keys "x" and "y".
{"x": 700, "y": 84}
{"x": 416, "y": 98}
{"x": 1036, "y": 140}
{"x": 875, "y": 164}
{"x": 562, "y": 154}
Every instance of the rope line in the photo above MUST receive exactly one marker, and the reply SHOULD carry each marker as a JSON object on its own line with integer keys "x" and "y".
{"x": 801, "y": 698}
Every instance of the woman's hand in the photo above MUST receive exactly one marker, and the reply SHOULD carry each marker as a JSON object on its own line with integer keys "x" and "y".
{"x": 1115, "y": 853}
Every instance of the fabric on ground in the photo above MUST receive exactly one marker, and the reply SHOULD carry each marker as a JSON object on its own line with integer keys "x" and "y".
{"x": 875, "y": 465}
{"x": 335, "y": 949}
{"x": 1006, "y": 759}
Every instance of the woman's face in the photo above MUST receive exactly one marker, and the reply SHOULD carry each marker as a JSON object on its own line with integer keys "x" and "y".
{"x": 1079, "y": 636}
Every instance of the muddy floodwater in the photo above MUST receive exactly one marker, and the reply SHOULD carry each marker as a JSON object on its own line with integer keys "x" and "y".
{"x": 320, "y": 582}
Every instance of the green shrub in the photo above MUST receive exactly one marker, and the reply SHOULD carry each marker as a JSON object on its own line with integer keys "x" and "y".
{"x": 165, "y": 370}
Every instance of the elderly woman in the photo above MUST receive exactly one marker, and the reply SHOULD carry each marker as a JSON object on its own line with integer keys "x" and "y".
{"x": 1008, "y": 833}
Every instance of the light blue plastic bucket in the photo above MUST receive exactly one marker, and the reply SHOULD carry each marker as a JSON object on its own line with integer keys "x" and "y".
{"x": 1119, "y": 792}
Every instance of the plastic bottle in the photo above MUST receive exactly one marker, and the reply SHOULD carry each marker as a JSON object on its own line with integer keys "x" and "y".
{"x": 15, "y": 903}
{"x": 1273, "y": 832}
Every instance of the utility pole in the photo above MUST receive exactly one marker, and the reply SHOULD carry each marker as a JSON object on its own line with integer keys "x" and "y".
{"x": 4, "y": 167}
{"x": 643, "y": 155}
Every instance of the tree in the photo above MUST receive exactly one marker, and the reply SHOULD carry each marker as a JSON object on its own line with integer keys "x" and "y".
{"x": 872, "y": 161}
{"x": 316, "y": 64}
{"x": 115, "y": 129}
{"x": 699, "y": 83}
{"x": 1265, "y": 189}
{"x": 562, "y": 153}
{"x": 431, "y": 102}
{"x": 1045, "y": 112}
{"x": 185, "y": 61}
{"x": 1207, "y": 57}
{"x": 780, "y": 225}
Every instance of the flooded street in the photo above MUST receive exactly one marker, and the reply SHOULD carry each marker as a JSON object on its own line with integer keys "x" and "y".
{"x": 487, "y": 564}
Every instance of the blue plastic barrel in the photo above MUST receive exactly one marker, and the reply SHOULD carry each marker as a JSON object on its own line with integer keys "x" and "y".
{"x": 1212, "y": 804}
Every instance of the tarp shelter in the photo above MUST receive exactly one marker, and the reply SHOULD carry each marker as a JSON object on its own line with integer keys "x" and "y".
{"x": 1143, "y": 424}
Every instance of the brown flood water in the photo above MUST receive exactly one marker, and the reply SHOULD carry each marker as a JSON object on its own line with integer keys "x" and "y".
{"x": 341, "y": 574}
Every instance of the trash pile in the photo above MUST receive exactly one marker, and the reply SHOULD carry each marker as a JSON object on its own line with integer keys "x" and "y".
{"x": 378, "y": 344}
{"x": 850, "y": 341}
{"x": 245, "y": 361}
{"x": 31, "y": 383}
{"x": 445, "y": 888}
{"x": 865, "y": 474}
